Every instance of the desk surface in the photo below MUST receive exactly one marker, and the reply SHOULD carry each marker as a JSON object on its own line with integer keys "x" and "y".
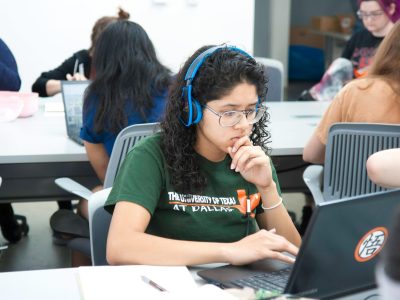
{"x": 43, "y": 137}
{"x": 40, "y": 138}
{"x": 332, "y": 34}
{"x": 292, "y": 124}
{"x": 36, "y": 150}
{"x": 63, "y": 284}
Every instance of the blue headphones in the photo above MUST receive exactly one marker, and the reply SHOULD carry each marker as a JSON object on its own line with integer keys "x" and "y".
{"x": 194, "y": 113}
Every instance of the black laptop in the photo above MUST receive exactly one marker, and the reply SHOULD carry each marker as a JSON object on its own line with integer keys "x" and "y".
{"x": 337, "y": 256}
{"x": 72, "y": 95}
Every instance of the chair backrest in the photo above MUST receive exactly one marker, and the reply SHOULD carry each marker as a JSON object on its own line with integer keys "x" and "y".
{"x": 99, "y": 218}
{"x": 126, "y": 139}
{"x": 99, "y": 223}
{"x": 348, "y": 147}
{"x": 273, "y": 69}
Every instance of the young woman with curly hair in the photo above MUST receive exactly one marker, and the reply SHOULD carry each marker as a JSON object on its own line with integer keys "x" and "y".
{"x": 195, "y": 192}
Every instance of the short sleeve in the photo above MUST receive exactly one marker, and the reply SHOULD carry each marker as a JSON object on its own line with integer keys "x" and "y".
{"x": 87, "y": 131}
{"x": 140, "y": 179}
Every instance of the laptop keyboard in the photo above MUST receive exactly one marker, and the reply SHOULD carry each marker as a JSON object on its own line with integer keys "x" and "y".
{"x": 271, "y": 281}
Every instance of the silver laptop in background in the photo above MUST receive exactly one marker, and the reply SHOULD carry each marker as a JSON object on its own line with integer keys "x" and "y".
{"x": 72, "y": 94}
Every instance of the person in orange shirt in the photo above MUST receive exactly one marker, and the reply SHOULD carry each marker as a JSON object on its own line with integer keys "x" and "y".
{"x": 372, "y": 99}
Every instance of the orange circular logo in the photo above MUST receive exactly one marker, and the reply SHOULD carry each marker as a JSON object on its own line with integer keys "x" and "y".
{"x": 371, "y": 244}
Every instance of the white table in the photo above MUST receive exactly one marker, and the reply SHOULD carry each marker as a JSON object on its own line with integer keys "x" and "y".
{"x": 36, "y": 150}
{"x": 292, "y": 123}
{"x": 62, "y": 284}
{"x": 43, "y": 137}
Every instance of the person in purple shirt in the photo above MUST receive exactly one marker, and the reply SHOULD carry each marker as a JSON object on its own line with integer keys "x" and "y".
{"x": 11, "y": 229}
{"x": 130, "y": 87}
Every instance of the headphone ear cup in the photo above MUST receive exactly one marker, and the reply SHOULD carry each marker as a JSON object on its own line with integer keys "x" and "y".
{"x": 197, "y": 111}
{"x": 191, "y": 112}
{"x": 186, "y": 110}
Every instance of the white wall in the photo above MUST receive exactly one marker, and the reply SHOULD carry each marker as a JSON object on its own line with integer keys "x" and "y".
{"x": 279, "y": 33}
{"x": 271, "y": 30}
{"x": 42, "y": 33}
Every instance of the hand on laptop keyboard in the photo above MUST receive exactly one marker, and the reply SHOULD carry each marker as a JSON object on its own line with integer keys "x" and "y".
{"x": 260, "y": 245}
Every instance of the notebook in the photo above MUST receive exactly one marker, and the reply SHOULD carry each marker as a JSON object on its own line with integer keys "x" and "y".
{"x": 337, "y": 256}
{"x": 72, "y": 95}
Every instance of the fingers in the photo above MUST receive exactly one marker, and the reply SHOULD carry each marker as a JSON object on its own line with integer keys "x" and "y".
{"x": 276, "y": 242}
{"x": 254, "y": 162}
{"x": 243, "y": 141}
{"x": 81, "y": 77}
{"x": 283, "y": 257}
{"x": 292, "y": 249}
{"x": 261, "y": 245}
{"x": 77, "y": 77}
{"x": 247, "y": 157}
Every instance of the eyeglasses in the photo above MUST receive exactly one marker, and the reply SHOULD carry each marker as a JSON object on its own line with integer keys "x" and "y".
{"x": 233, "y": 117}
{"x": 373, "y": 14}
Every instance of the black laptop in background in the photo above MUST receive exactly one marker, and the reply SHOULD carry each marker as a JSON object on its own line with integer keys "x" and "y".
{"x": 337, "y": 257}
{"x": 72, "y": 95}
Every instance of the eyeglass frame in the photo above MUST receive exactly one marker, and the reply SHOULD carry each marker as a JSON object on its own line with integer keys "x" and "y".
{"x": 372, "y": 14}
{"x": 245, "y": 112}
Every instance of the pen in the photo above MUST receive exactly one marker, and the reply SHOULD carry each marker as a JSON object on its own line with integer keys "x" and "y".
{"x": 153, "y": 284}
{"x": 75, "y": 67}
{"x": 81, "y": 69}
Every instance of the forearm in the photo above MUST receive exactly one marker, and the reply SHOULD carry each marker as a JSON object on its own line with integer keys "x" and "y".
{"x": 384, "y": 168}
{"x": 98, "y": 158}
{"x": 53, "y": 87}
{"x": 277, "y": 217}
{"x": 314, "y": 151}
{"x": 142, "y": 248}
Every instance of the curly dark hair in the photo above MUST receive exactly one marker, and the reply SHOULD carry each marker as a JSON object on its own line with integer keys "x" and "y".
{"x": 219, "y": 74}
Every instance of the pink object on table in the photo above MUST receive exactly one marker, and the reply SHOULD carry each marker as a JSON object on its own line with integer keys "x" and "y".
{"x": 17, "y": 104}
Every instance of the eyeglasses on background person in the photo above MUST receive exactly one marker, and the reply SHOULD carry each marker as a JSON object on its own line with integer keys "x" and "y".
{"x": 373, "y": 14}
{"x": 233, "y": 117}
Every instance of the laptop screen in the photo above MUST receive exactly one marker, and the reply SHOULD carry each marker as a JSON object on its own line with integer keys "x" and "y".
{"x": 339, "y": 251}
{"x": 73, "y": 94}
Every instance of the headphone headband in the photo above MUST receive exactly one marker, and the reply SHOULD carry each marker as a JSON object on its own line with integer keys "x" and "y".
{"x": 198, "y": 61}
{"x": 194, "y": 110}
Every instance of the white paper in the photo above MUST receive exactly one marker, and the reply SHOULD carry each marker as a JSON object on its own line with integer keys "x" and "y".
{"x": 124, "y": 282}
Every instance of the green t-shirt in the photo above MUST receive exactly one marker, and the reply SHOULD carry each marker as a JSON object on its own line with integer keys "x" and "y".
{"x": 217, "y": 215}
